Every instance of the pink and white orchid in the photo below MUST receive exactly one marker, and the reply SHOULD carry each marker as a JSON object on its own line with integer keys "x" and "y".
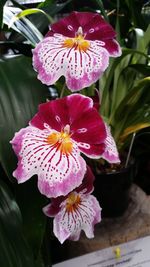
{"x": 79, "y": 210}
{"x": 111, "y": 153}
{"x": 77, "y": 47}
{"x": 51, "y": 145}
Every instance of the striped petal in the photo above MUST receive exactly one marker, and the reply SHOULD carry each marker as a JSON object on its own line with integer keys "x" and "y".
{"x": 78, "y": 212}
{"x": 60, "y": 168}
{"x": 58, "y": 56}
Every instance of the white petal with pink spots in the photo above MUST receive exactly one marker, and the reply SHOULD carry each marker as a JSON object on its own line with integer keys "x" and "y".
{"x": 81, "y": 68}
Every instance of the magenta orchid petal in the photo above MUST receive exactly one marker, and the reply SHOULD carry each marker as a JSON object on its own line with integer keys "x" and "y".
{"x": 87, "y": 183}
{"x": 67, "y": 27}
{"x": 89, "y": 128}
{"x": 113, "y": 48}
{"x": 94, "y": 28}
{"x": 77, "y": 47}
{"x": 92, "y": 150}
{"x": 111, "y": 153}
{"x": 50, "y": 147}
{"x": 81, "y": 104}
{"x": 58, "y": 113}
{"x": 53, "y": 114}
{"x": 93, "y": 25}
{"x": 78, "y": 212}
{"x": 54, "y": 207}
{"x": 96, "y": 99}
{"x": 98, "y": 29}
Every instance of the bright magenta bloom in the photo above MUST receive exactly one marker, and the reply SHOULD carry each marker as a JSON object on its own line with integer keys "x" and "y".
{"x": 77, "y": 47}
{"x": 79, "y": 210}
{"x": 51, "y": 145}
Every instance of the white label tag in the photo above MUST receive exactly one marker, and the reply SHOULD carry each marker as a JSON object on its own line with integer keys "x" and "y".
{"x": 131, "y": 254}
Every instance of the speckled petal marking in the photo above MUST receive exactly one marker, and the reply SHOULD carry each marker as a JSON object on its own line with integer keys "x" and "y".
{"x": 81, "y": 67}
{"x": 58, "y": 172}
{"x": 68, "y": 223}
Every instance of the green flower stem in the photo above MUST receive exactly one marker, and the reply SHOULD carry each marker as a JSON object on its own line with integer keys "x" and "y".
{"x": 63, "y": 90}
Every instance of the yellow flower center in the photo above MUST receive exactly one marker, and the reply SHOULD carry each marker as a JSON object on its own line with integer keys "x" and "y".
{"x": 79, "y": 43}
{"x": 61, "y": 141}
{"x": 73, "y": 201}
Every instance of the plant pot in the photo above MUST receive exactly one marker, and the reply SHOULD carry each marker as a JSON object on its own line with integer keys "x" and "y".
{"x": 112, "y": 190}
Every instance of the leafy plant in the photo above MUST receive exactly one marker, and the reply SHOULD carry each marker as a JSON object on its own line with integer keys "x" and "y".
{"x": 124, "y": 94}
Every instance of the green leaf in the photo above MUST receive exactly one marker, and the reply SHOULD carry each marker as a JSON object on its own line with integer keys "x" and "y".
{"x": 134, "y": 108}
{"x": 36, "y": 22}
{"x": 46, "y": 3}
{"x": 34, "y": 220}
{"x": 135, "y": 8}
{"x": 52, "y": 7}
{"x": 27, "y": 12}
{"x": 14, "y": 250}
{"x": 131, "y": 99}
{"x": 21, "y": 93}
{"x": 134, "y": 128}
{"x": 142, "y": 43}
{"x": 116, "y": 66}
{"x": 24, "y": 26}
{"x": 141, "y": 68}
{"x": 117, "y": 26}
{"x": 101, "y": 6}
{"x": 2, "y": 3}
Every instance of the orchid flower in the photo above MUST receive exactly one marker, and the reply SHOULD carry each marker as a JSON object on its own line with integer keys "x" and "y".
{"x": 51, "y": 145}
{"x": 79, "y": 210}
{"x": 77, "y": 47}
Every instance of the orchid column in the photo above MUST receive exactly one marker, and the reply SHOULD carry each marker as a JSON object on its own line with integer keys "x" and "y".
{"x": 77, "y": 47}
